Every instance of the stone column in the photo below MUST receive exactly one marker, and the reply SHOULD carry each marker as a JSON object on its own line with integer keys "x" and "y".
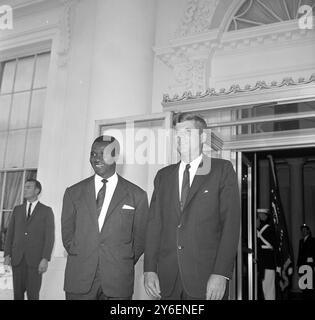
{"x": 297, "y": 208}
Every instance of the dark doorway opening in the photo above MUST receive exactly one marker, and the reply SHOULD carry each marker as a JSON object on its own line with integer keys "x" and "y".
{"x": 295, "y": 170}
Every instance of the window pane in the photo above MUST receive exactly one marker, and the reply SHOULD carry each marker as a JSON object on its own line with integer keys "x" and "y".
{"x": 15, "y": 149}
{"x": 8, "y": 77}
{"x": 37, "y": 108}
{"x": 24, "y": 74}
{"x": 32, "y": 148}
{"x": 3, "y": 138}
{"x": 19, "y": 111}
{"x": 41, "y": 73}
{"x": 13, "y": 189}
{"x": 5, "y": 102}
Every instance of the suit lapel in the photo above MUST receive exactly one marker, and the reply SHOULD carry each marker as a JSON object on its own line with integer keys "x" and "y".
{"x": 200, "y": 178}
{"x": 90, "y": 199}
{"x": 23, "y": 208}
{"x": 119, "y": 194}
{"x": 173, "y": 178}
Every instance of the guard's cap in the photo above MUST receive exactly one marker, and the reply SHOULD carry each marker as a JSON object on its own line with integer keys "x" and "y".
{"x": 305, "y": 226}
{"x": 263, "y": 210}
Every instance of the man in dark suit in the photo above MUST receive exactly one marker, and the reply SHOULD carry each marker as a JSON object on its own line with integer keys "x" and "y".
{"x": 29, "y": 242}
{"x": 103, "y": 229}
{"x": 194, "y": 221}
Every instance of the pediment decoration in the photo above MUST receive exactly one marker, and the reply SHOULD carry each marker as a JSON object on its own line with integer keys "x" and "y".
{"x": 197, "y": 17}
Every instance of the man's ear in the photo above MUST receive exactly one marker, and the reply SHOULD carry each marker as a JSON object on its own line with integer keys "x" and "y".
{"x": 204, "y": 136}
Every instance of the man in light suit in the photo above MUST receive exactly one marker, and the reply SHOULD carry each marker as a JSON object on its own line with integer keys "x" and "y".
{"x": 194, "y": 222}
{"x": 29, "y": 242}
{"x": 103, "y": 229}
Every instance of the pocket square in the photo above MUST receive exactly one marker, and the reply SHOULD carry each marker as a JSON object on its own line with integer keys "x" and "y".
{"x": 206, "y": 191}
{"x": 125, "y": 206}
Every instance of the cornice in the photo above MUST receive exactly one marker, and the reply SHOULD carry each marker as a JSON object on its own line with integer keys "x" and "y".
{"x": 271, "y": 34}
{"x": 274, "y": 34}
{"x": 29, "y": 7}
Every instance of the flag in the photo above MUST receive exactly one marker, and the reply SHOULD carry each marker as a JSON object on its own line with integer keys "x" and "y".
{"x": 283, "y": 250}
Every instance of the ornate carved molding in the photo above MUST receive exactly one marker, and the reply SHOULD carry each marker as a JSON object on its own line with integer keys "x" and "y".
{"x": 235, "y": 89}
{"x": 65, "y": 34}
{"x": 189, "y": 67}
{"x": 197, "y": 17}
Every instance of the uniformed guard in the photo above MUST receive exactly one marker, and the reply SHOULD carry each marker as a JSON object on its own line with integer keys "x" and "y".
{"x": 266, "y": 253}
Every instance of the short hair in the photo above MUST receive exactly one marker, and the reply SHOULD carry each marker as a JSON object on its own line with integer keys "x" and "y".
{"x": 107, "y": 140}
{"x": 37, "y": 184}
{"x": 200, "y": 122}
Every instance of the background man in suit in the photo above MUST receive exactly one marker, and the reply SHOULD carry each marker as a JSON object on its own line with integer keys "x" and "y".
{"x": 194, "y": 221}
{"x": 29, "y": 242}
{"x": 103, "y": 229}
{"x": 306, "y": 256}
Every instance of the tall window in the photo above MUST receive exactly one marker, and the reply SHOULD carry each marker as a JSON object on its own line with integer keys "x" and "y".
{"x": 260, "y": 12}
{"x": 23, "y": 83}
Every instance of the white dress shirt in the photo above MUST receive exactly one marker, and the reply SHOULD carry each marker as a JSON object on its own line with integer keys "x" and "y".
{"x": 192, "y": 172}
{"x": 32, "y": 208}
{"x": 110, "y": 188}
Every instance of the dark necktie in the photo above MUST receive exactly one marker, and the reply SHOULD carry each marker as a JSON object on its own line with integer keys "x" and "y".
{"x": 185, "y": 187}
{"x": 29, "y": 211}
{"x": 100, "y": 198}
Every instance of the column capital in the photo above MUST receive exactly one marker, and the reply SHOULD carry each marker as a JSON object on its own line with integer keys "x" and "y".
{"x": 296, "y": 162}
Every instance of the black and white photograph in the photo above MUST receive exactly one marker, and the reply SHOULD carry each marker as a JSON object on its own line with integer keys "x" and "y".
{"x": 157, "y": 150}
